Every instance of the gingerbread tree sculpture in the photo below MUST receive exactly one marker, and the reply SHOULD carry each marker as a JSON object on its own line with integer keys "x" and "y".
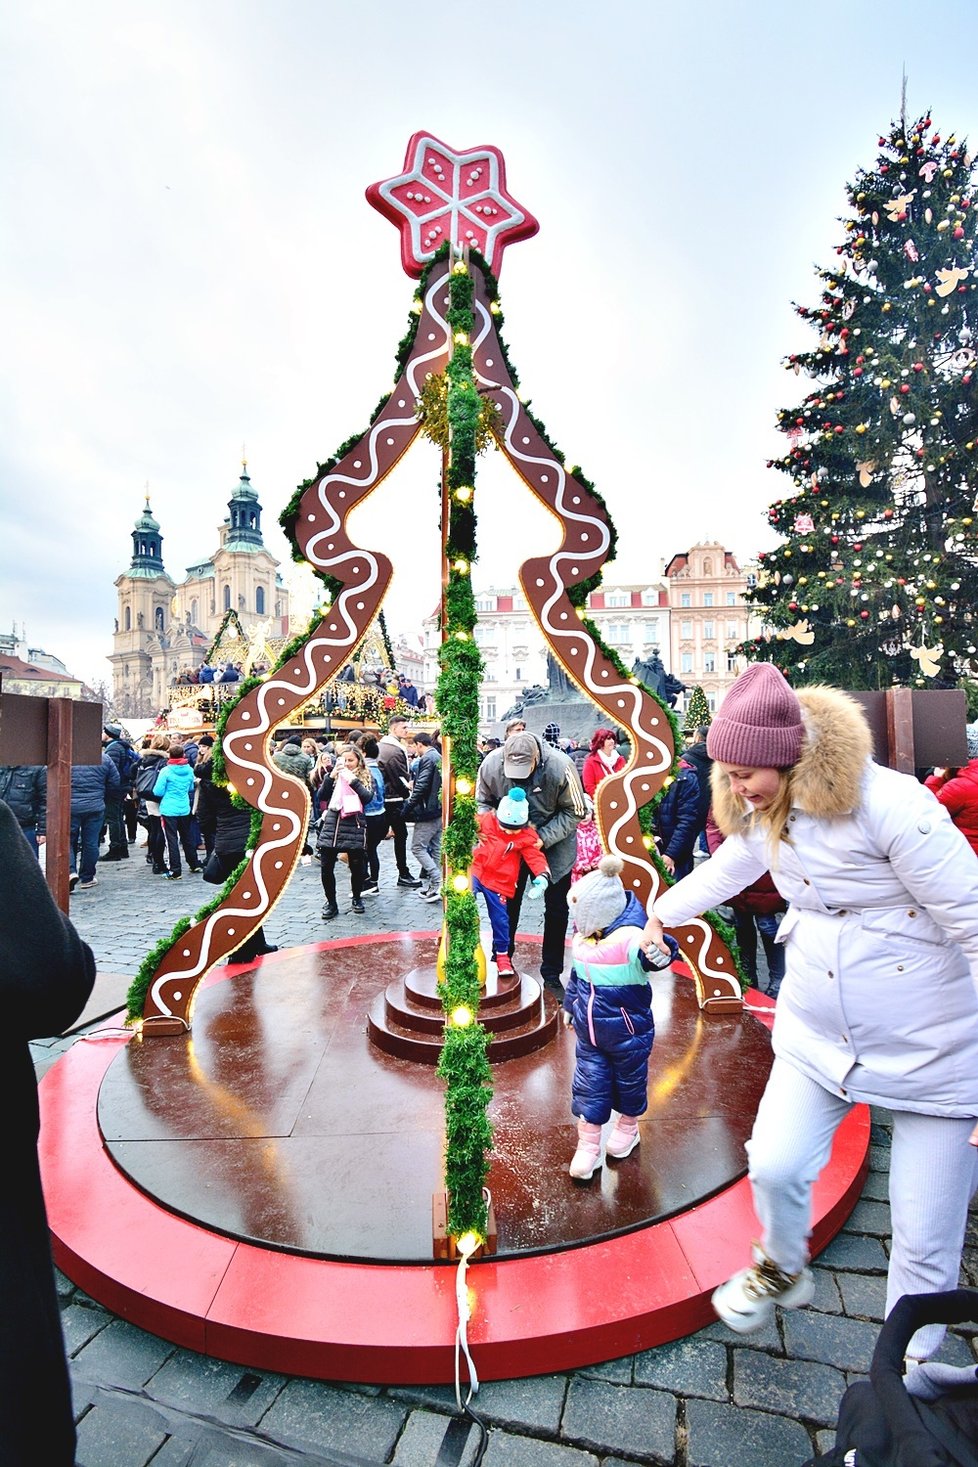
{"x": 456, "y": 218}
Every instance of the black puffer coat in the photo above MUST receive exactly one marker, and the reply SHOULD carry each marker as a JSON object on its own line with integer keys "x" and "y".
{"x": 343, "y": 832}
{"x": 25, "y": 789}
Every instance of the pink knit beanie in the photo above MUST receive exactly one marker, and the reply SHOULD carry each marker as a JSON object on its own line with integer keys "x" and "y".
{"x": 759, "y": 725}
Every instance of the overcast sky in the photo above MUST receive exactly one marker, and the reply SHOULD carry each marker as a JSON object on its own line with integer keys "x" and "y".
{"x": 188, "y": 262}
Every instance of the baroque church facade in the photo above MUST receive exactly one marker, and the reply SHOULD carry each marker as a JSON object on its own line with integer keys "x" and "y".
{"x": 164, "y": 627}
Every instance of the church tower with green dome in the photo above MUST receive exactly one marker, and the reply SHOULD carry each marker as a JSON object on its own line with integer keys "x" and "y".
{"x": 145, "y": 594}
{"x": 165, "y": 627}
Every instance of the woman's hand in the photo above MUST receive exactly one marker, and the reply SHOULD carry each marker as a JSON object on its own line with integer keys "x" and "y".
{"x": 973, "y": 1138}
{"x": 669, "y": 864}
{"x": 652, "y": 936}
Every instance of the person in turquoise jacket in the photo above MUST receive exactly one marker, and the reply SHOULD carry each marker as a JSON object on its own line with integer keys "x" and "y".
{"x": 175, "y": 791}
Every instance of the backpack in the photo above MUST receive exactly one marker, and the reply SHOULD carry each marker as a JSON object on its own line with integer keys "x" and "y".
{"x": 882, "y": 1425}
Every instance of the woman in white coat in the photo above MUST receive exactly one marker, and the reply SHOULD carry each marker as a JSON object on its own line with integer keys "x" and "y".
{"x": 880, "y": 998}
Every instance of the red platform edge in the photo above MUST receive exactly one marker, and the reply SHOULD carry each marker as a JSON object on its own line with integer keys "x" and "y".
{"x": 379, "y": 1323}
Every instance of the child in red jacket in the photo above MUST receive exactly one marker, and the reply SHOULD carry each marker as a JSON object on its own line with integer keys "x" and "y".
{"x": 505, "y": 840}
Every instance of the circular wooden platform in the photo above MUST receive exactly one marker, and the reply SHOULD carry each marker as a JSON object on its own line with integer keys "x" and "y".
{"x": 261, "y": 1189}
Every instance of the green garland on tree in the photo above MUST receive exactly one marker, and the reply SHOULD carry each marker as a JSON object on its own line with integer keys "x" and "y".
{"x": 464, "y": 1063}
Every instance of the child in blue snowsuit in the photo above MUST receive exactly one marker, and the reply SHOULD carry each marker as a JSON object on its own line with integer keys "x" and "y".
{"x": 609, "y": 1002}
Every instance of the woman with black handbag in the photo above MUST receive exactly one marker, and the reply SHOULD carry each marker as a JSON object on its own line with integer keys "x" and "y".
{"x": 148, "y": 769}
{"x": 343, "y": 797}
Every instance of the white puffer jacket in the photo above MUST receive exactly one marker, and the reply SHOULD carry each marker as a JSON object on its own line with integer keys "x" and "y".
{"x": 880, "y": 997}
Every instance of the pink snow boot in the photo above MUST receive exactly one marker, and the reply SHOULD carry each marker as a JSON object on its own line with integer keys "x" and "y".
{"x": 624, "y": 1137}
{"x": 587, "y": 1157}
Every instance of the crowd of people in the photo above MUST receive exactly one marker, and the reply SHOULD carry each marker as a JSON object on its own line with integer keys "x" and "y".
{"x": 861, "y": 884}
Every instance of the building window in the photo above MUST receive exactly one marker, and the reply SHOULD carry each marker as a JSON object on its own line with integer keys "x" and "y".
{"x": 709, "y": 630}
{"x": 709, "y": 662}
{"x": 708, "y": 567}
{"x": 159, "y": 618}
{"x": 260, "y": 601}
{"x": 651, "y": 631}
{"x": 484, "y": 634}
{"x": 491, "y": 709}
{"x": 194, "y": 612}
{"x": 711, "y": 702}
{"x": 733, "y": 631}
{"x": 127, "y": 619}
{"x": 685, "y": 598}
{"x": 618, "y": 631}
{"x": 685, "y": 628}
{"x": 618, "y": 598}
{"x": 519, "y": 602}
{"x": 486, "y": 603}
{"x": 731, "y": 662}
{"x": 731, "y": 598}
{"x": 227, "y": 598}
{"x": 707, "y": 598}
{"x": 687, "y": 662}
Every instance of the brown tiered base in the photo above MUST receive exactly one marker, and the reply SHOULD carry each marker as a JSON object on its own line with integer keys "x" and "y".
{"x": 261, "y": 1190}
{"x": 407, "y": 1020}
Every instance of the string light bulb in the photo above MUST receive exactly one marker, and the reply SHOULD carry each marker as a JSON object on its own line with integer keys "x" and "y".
{"x": 463, "y": 493}
{"x": 463, "y": 786}
{"x": 461, "y": 1016}
{"x": 468, "y": 1243}
{"x": 461, "y": 566}
{"x": 460, "y": 882}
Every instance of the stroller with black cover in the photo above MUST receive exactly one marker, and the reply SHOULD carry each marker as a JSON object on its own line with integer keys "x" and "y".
{"x": 926, "y": 1418}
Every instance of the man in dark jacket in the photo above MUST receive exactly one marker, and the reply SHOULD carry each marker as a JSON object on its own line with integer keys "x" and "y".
{"x": 25, "y": 789}
{"x": 125, "y": 759}
{"x": 556, "y": 802}
{"x": 675, "y": 821}
{"x": 423, "y": 806}
{"x": 696, "y": 755}
{"x": 392, "y": 758}
{"x": 92, "y": 786}
{"x": 46, "y": 976}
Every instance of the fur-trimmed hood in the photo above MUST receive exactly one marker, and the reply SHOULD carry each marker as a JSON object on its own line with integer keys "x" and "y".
{"x": 825, "y": 781}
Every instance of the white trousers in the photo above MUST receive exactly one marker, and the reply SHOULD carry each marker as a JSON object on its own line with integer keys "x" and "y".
{"x": 933, "y": 1174}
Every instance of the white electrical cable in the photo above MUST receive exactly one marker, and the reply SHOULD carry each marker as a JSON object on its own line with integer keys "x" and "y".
{"x": 462, "y": 1330}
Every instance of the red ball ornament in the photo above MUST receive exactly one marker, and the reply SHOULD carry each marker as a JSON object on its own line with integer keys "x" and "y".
{"x": 958, "y": 232}
{"x": 965, "y": 204}
{"x": 792, "y": 605}
{"x": 884, "y": 168}
{"x": 835, "y": 539}
{"x": 904, "y": 388}
{"x": 927, "y": 287}
{"x": 858, "y": 545}
{"x": 918, "y": 366}
{"x": 864, "y": 615}
{"x": 857, "y": 371}
{"x": 860, "y": 360}
{"x": 839, "y": 428}
{"x": 887, "y": 514}
{"x": 901, "y": 581}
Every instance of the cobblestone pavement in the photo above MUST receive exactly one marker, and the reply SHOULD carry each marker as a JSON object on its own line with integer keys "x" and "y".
{"x": 712, "y": 1400}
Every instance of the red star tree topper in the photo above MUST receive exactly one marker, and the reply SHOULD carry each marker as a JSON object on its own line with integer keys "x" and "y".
{"x": 444, "y": 195}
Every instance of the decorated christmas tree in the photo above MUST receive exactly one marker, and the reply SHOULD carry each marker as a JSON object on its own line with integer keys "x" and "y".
{"x": 876, "y": 579}
{"x": 698, "y": 713}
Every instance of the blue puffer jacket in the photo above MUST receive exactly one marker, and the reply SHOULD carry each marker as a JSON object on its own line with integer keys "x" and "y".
{"x": 610, "y": 1001}
{"x": 92, "y": 784}
{"x": 175, "y": 787}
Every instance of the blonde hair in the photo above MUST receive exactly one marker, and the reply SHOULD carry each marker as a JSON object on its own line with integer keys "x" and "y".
{"x": 160, "y": 741}
{"x": 361, "y": 761}
{"x": 773, "y": 819}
